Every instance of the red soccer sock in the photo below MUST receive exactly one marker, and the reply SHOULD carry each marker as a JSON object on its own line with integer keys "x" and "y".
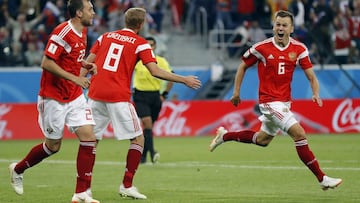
{"x": 245, "y": 136}
{"x": 35, "y": 156}
{"x": 132, "y": 163}
{"x": 308, "y": 158}
{"x": 84, "y": 165}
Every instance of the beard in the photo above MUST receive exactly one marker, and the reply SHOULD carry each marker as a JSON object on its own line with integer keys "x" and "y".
{"x": 87, "y": 22}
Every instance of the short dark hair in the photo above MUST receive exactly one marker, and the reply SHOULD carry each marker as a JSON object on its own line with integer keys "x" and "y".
{"x": 73, "y": 6}
{"x": 150, "y": 39}
{"x": 284, "y": 14}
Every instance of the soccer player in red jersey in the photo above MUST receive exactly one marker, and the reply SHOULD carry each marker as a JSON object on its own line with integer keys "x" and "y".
{"x": 276, "y": 59}
{"x": 61, "y": 100}
{"x": 116, "y": 54}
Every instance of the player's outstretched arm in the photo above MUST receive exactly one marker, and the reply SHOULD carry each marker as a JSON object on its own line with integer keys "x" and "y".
{"x": 190, "y": 81}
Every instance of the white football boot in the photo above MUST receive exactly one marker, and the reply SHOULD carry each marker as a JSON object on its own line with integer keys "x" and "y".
{"x": 83, "y": 197}
{"x": 16, "y": 180}
{"x": 329, "y": 182}
{"x": 218, "y": 140}
{"x": 131, "y": 192}
{"x": 156, "y": 157}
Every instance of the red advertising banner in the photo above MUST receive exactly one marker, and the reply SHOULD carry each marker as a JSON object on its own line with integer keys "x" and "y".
{"x": 196, "y": 118}
{"x": 200, "y": 118}
{"x": 19, "y": 121}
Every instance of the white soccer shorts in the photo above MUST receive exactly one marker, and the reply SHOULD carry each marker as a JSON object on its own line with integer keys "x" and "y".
{"x": 276, "y": 116}
{"x": 53, "y": 116}
{"x": 122, "y": 115}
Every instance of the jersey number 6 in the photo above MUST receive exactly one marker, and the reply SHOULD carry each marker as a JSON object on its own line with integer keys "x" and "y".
{"x": 281, "y": 68}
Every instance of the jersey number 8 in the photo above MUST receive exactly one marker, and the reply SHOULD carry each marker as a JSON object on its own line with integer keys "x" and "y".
{"x": 113, "y": 57}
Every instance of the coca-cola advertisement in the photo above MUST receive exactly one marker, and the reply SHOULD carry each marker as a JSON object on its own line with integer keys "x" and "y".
{"x": 346, "y": 117}
{"x": 196, "y": 118}
{"x": 202, "y": 118}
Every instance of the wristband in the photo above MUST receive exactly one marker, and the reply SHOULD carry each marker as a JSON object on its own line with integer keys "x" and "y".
{"x": 165, "y": 94}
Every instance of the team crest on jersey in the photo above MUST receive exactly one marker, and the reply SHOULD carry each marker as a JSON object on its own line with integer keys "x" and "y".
{"x": 292, "y": 56}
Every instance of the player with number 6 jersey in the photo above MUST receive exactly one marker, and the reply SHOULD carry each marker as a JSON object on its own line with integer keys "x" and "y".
{"x": 276, "y": 66}
{"x": 277, "y": 58}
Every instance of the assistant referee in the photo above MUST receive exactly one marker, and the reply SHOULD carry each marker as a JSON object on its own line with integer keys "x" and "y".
{"x": 148, "y": 99}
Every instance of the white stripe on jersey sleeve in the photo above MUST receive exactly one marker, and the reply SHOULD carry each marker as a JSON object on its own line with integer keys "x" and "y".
{"x": 61, "y": 42}
{"x": 257, "y": 54}
{"x": 142, "y": 47}
{"x": 64, "y": 31}
{"x": 99, "y": 39}
{"x": 304, "y": 54}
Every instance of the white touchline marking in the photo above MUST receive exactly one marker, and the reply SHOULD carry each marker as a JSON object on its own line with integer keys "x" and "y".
{"x": 207, "y": 164}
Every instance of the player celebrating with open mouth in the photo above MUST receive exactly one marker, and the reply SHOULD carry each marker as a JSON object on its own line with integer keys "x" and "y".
{"x": 276, "y": 59}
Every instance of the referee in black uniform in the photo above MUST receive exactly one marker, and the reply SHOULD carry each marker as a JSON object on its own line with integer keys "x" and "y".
{"x": 148, "y": 99}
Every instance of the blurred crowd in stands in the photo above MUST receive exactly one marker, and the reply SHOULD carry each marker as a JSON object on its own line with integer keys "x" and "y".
{"x": 330, "y": 28}
{"x": 26, "y": 24}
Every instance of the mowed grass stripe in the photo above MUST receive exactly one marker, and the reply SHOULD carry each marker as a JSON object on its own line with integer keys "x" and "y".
{"x": 189, "y": 173}
{"x": 202, "y": 164}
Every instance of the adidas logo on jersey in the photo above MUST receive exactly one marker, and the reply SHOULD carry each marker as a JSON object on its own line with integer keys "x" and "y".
{"x": 270, "y": 56}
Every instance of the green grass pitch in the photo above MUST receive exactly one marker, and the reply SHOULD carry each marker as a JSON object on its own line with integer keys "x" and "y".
{"x": 188, "y": 172}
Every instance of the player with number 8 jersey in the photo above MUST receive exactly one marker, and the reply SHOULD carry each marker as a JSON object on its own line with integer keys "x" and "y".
{"x": 116, "y": 54}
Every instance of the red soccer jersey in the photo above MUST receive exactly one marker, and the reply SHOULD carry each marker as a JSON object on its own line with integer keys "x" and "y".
{"x": 276, "y": 66}
{"x": 67, "y": 48}
{"x": 116, "y": 56}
